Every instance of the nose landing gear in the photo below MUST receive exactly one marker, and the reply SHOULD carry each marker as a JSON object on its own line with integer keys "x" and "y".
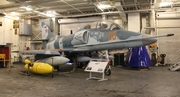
{"x": 107, "y": 71}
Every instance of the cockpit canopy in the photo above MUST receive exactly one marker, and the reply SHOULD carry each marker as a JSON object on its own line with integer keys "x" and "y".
{"x": 103, "y": 25}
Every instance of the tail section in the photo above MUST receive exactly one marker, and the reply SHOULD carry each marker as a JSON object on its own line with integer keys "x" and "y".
{"x": 47, "y": 35}
{"x": 46, "y": 32}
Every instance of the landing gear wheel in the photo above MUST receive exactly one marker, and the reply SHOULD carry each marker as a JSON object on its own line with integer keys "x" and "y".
{"x": 107, "y": 72}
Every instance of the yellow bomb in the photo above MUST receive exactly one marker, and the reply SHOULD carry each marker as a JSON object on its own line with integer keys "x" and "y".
{"x": 39, "y": 67}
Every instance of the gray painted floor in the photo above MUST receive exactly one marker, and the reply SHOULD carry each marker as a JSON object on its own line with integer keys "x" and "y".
{"x": 156, "y": 82}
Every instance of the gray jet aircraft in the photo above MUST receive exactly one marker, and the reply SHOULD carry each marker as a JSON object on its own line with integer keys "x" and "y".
{"x": 88, "y": 39}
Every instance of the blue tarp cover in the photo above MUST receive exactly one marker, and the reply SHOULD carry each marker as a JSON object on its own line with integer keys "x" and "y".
{"x": 138, "y": 57}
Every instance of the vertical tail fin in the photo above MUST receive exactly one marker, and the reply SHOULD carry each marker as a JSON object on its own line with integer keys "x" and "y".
{"x": 46, "y": 32}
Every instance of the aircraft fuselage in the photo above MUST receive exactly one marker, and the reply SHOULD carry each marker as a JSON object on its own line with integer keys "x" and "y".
{"x": 97, "y": 39}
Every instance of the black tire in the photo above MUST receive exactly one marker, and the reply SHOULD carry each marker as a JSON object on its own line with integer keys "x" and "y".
{"x": 107, "y": 72}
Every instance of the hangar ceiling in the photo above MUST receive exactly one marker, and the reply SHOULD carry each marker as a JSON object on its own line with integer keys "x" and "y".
{"x": 78, "y": 8}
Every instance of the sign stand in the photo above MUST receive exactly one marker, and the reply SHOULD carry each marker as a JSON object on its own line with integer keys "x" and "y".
{"x": 99, "y": 79}
{"x": 96, "y": 66}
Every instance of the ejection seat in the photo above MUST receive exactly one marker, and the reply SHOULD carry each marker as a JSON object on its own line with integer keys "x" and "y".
{"x": 102, "y": 26}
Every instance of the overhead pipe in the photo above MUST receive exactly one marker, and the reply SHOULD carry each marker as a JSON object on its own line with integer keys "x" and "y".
{"x": 105, "y": 13}
{"x": 81, "y": 15}
{"x": 72, "y": 6}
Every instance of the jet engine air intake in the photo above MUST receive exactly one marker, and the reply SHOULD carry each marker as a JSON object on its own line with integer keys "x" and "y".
{"x": 80, "y": 38}
{"x": 85, "y": 36}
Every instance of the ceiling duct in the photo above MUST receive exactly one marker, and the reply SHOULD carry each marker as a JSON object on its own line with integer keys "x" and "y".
{"x": 105, "y": 4}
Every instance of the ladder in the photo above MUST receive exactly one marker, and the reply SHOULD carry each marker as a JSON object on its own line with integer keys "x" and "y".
{"x": 174, "y": 61}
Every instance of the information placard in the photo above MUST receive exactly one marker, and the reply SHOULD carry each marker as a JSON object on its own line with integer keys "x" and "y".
{"x": 96, "y": 66}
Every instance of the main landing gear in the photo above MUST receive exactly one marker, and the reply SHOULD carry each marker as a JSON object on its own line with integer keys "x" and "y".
{"x": 107, "y": 71}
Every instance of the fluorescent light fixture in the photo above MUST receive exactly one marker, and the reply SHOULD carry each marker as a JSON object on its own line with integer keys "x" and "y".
{"x": 12, "y": 17}
{"x": 165, "y": 4}
{"x": 16, "y": 18}
{"x": 103, "y": 6}
{"x": 9, "y": 17}
{"x": 13, "y": 14}
{"x": 42, "y": 13}
{"x": 27, "y": 8}
{"x": 36, "y": 11}
{"x": 50, "y": 14}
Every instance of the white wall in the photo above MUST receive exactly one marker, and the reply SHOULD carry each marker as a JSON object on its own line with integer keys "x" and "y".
{"x": 134, "y": 22}
{"x": 7, "y": 35}
{"x": 6, "y": 31}
{"x": 168, "y": 45}
{"x": 66, "y": 28}
{"x": 2, "y": 31}
{"x": 168, "y": 22}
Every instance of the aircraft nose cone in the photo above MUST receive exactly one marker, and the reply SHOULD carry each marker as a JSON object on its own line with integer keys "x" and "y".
{"x": 148, "y": 41}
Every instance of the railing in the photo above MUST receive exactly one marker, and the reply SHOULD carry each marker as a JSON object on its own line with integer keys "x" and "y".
{"x": 174, "y": 58}
{"x": 174, "y": 61}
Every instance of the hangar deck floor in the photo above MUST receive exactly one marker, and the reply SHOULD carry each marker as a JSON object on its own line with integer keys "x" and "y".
{"x": 156, "y": 82}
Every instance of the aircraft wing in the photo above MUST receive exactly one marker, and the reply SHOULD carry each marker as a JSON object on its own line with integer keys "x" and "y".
{"x": 133, "y": 39}
{"x": 54, "y": 52}
{"x": 46, "y": 52}
{"x": 75, "y": 49}
{"x": 40, "y": 40}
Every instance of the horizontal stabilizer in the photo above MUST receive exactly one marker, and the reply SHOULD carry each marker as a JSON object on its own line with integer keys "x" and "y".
{"x": 40, "y": 40}
{"x": 46, "y": 52}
